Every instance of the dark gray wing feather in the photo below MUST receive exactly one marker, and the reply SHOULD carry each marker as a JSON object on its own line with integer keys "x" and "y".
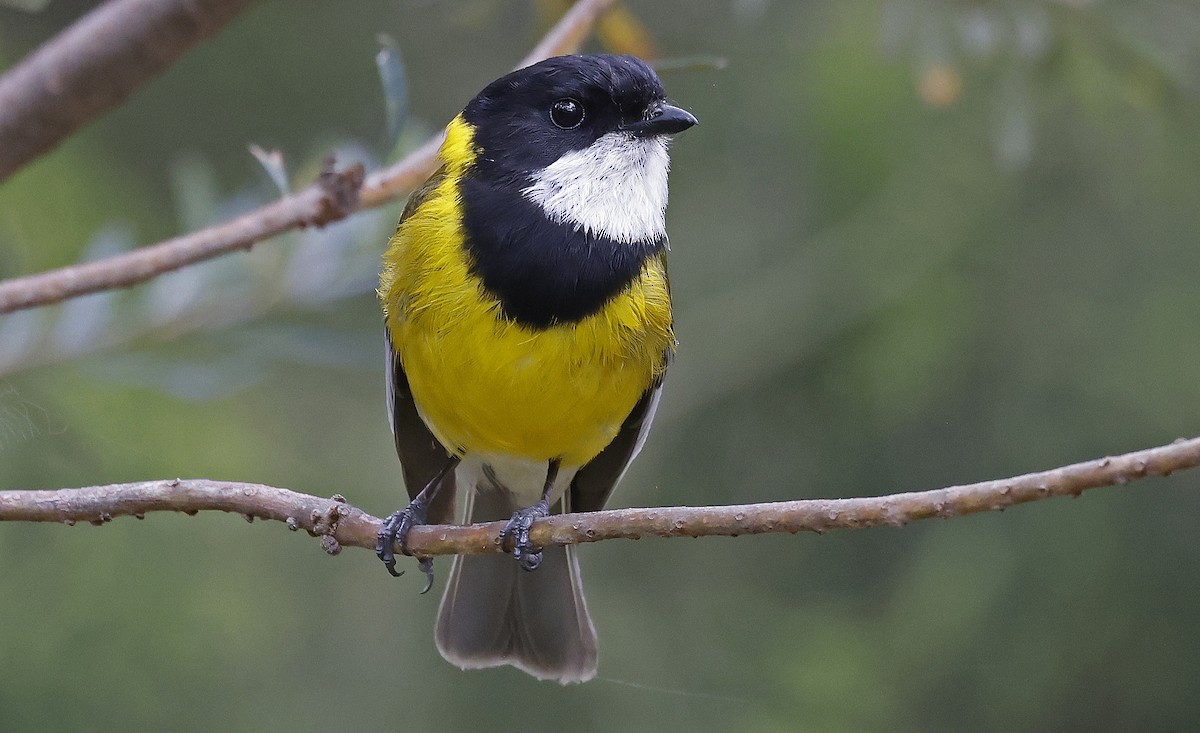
{"x": 594, "y": 482}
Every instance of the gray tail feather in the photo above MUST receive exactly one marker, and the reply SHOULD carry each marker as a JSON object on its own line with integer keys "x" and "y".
{"x": 494, "y": 613}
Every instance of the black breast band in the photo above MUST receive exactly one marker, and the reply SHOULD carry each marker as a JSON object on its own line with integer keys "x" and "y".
{"x": 543, "y": 272}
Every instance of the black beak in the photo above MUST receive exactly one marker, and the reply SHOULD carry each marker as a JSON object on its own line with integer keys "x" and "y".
{"x": 661, "y": 119}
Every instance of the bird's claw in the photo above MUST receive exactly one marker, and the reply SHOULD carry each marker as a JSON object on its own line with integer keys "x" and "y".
{"x": 527, "y": 554}
{"x": 395, "y": 529}
{"x": 426, "y": 566}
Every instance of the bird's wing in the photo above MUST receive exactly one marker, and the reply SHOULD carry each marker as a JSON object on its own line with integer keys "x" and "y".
{"x": 596, "y": 480}
{"x": 421, "y": 455}
{"x": 594, "y": 483}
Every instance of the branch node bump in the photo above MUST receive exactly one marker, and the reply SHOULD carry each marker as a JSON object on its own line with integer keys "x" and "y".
{"x": 341, "y": 190}
{"x": 324, "y": 521}
{"x": 330, "y": 544}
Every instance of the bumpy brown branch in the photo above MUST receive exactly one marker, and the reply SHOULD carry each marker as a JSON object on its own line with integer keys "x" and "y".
{"x": 337, "y": 195}
{"x": 333, "y": 197}
{"x": 340, "y": 524}
{"x": 94, "y": 65}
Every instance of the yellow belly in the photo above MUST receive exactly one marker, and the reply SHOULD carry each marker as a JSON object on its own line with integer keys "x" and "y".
{"x": 491, "y": 387}
{"x": 485, "y": 384}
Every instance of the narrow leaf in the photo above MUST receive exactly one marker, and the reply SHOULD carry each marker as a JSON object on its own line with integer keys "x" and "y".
{"x": 395, "y": 88}
{"x": 272, "y": 163}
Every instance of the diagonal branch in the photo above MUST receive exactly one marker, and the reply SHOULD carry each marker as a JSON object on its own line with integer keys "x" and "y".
{"x": 337, "y": 195}
{"x": 332, "y": 197}
{"x": 94, "y": 65}
{"x": 340, "y": 524}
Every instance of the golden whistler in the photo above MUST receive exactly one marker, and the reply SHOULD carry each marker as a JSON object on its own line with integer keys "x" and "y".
{"x": 529, "y": 327}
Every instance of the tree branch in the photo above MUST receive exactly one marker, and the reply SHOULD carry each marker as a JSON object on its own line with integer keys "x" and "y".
{"x": 333, "y": 197}
{"x": 94, "y": 65}
{"x": 340, "y": 524}
{"x": 338, "y": 194}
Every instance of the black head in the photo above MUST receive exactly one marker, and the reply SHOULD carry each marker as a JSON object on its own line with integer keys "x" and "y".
{"x": 527, "y": 119}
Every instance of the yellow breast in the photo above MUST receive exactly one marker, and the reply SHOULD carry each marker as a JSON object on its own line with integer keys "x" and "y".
{"x": 486, "y": 384}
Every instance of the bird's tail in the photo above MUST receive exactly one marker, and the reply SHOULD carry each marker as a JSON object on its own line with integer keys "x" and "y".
{"x": 494, "y": 613}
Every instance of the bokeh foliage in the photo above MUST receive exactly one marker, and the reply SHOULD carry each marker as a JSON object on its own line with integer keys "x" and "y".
{"x": 916, "y": 242}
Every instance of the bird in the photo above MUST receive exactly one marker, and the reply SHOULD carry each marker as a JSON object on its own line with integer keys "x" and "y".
{"x": 529, "y": 327}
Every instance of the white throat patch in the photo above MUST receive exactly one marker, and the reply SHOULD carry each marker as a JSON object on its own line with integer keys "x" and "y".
{"x": 616, "y": 187}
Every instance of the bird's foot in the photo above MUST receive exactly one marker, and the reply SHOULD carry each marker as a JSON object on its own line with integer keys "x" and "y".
{"x": 526, "y": 553}
{"x": 395, "y": 529}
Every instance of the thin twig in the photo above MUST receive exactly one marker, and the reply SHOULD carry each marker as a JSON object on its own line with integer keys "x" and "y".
{"x": 340, "y": 524}
{"x": 338, "y": 195}
{"x": 94, "y": 65}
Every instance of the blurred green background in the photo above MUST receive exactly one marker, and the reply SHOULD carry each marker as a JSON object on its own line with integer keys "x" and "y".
{"x": 916, "y": 243}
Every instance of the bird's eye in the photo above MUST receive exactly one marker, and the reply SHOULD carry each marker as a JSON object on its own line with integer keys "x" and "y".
{"x": 566, "y": 114}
